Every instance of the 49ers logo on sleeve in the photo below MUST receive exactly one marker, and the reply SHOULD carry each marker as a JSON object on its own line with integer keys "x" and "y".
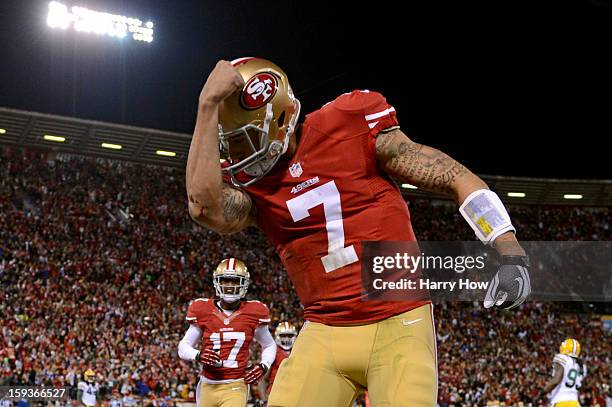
{"x": 258, "y": 91}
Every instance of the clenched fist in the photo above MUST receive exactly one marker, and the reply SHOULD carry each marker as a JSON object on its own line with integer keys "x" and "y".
{"x": 221, "y": 83}
{"x": 511, "y": 285}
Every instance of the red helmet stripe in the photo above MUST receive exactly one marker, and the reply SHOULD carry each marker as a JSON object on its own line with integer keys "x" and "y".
{"x": 231, "y": 264}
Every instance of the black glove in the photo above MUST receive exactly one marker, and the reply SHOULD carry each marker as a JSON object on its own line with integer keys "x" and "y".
{"x": 510, "y": 286}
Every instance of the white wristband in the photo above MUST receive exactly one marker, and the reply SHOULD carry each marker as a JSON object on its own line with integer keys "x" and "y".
{"x": 486, "y": 215}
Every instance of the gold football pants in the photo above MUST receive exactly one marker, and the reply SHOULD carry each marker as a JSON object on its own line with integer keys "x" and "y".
{"x": 394, "y": 360}
{"x": 222, "y": 395}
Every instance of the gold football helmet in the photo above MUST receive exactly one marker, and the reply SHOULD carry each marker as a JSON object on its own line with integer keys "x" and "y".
{"x": 231, "y": 280}
{"x": 89, "y": 376}
{"x": 256, "y": 123}
{"x": 570, "y": 347}
{"x": 285, "y": 335}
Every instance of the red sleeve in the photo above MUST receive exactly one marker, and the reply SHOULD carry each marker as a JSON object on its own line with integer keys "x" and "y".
{"x": 378, "y": 116}
{"x": 261, "y": 312}
{"x": 196, "y": 310}
{"x": 370, "y": 114}
{"x": 377, "y": 113}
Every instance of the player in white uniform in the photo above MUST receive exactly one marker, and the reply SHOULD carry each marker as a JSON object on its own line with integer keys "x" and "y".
{"x": 88, "y": 389}
{"x": 567, "y": 376}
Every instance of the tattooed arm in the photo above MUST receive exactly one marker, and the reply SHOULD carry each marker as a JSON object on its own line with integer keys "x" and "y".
{"x": 433, "y": 170}
{"x": 212, "y": 203}
{"x": 234, "y": 212}
{"x": 424, "y": 167}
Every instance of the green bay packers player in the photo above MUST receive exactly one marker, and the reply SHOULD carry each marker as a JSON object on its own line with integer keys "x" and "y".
{"x": 225, "y": 329}
{"x": 317, "y": 189}
{"x": 88, "y": 389}
{"x": 568, "y": 373}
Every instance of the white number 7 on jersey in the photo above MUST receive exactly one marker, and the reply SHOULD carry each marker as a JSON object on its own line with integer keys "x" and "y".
{"x": 328, "y": 195}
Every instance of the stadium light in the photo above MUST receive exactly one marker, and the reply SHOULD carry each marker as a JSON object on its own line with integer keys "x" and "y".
{"x": 90, "y": 21}
{"x": 516, "y": 194}
{"x": 58, "y": 16}
{"x": 2, "y": 131}
{"x": 409, "y": 186}
{"x": 58, "y": 139}
{"x": 166, "y": 153}
{"x": 112, "y": 146}
{"x": 572, "y": 196}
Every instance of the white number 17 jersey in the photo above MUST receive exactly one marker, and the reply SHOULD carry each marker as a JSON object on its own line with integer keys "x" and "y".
{"x": 573, "y": 373}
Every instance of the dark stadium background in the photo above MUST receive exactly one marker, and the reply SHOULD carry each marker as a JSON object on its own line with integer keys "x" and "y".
{"x": 509, "y": 87}
{"x": 99, "y": 259}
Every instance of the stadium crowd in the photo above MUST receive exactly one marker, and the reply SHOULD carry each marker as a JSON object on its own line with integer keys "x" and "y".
{"x": 99, "y": 260}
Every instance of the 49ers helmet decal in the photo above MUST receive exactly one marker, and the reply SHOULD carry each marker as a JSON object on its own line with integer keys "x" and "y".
{"x": 255, "y": 124}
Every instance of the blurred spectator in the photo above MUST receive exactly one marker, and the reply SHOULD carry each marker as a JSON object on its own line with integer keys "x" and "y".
{"x": 99, "y": 260}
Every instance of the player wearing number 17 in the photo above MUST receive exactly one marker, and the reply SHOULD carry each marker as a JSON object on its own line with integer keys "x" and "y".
{"x": 317, "y": 190}
{"x": 225, "y": 329}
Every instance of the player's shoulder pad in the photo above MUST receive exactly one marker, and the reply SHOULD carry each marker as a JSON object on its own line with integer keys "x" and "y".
{"x": 367, "y": 108}
{"x": 198, "y": 300}
{"x": 197, "y": 308}
{"x": 561, "y": 359}
{"x": 360, "y": 101}
{"x": 260, "y": 311}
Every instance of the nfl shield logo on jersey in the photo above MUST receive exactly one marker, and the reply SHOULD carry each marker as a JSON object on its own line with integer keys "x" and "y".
{"x": 295, "y": 170}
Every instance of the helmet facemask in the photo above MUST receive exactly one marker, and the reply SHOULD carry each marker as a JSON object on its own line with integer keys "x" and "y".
{"x": 89, "y": 376}
{"x": 286, "y": 334}
{"x": 286, "y": 340}
{"x": 256, "y": 124}
{"x": 232, "y": 292}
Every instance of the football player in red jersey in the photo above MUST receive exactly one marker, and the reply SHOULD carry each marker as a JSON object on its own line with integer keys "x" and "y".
{"x": 225, "y": 329}
{"x": 285, "y": 336}
{"x": 317, "y": 190}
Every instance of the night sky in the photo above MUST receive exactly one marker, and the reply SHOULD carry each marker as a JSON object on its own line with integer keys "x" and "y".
{"x": 507, "y": 87}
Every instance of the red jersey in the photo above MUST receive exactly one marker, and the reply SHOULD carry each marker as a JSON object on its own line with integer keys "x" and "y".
{"x": 280, "y": 356}
{"x": 317, "y": 208}
{"x": 230, "y": 335}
